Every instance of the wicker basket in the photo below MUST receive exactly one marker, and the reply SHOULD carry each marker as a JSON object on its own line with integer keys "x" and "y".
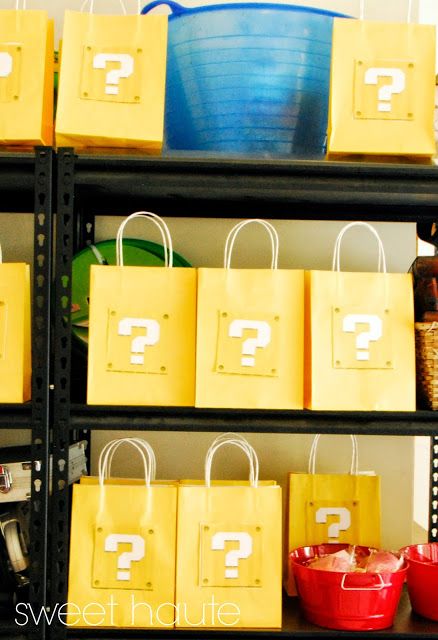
{"x": 426, "y": 351}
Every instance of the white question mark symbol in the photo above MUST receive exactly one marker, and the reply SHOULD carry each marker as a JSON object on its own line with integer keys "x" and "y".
{"x": 126, "y": 69}
{"x": 233, "y": 556}
{"x": 5, "y": 64}
{"x": 138, "y": 344}
{"x": 364, "y": 338}
{"x": 124, "y": 560}
{"x": 249, "y": 346}
{"x": 397, "y": 84}
{"x": 334, "y": 529}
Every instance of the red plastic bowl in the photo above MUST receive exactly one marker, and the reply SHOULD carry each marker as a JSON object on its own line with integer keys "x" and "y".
{"x": 423, "y": 578}
{"x": 348, "y": 601}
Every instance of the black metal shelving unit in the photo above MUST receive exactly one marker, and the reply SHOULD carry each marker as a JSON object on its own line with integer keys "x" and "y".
{"x": 90, "y": 185}
{"x": 26, "y": 182}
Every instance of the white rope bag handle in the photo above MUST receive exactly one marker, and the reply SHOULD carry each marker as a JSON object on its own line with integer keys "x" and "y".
{"x": 336, "y": 263}
{"x": 165, "y": 235}
{"x": 103, "y": 465}
{"x": 354, "y": 466}
{"x": 146, "y": 453}
{"x": 231, "y": 238}
{"x": 149, "y": 452}
{"x": 111, "y": 448}
{"x": 235, "y": 438}
{"x": 249, "y": 452}
{"x": 362, "y": 10}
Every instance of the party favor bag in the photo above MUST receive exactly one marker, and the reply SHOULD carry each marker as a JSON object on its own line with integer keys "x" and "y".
{"x": 360, "y": 350}
{"x": 15, "y": 332}
{"x": 250, "y": 334}
{"x": 142, "y": 330}
{"x": 229, "y": 550}
{"x": 382, "y": 88}
{"x": 26, "y": 78}
{"x": 122, "y": 549}
{"x": 112, "y": 81}
{"x": 330, "y": 507}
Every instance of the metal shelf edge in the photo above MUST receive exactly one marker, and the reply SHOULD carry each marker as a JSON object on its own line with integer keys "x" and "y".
{"x": 191, "y": 419}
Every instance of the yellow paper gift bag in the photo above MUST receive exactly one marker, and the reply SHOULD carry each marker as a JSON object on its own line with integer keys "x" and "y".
{"x": 382, "y": 89}
{"x": 122, "y": 551}
{"x": 229, "y": 552}
{"x": 331, "y": 507}
{"x": 250, "y": 334}
{"x": 360, "y": 344}
{"x": 26, "y": 78}
{"x": 112, "y": 81}
{"x": 142, "y": 330}
{"x": 15, "y": 331}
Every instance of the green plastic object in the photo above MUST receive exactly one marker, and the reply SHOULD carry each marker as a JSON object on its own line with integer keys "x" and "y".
{"x": 135, "y": 253}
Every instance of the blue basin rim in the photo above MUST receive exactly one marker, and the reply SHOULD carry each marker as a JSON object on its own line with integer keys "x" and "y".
{"x": 179, "y": 10}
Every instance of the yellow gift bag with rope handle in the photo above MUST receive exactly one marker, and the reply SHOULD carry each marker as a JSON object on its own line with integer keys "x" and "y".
{"x": 112, "y": 81}
{"x": 26, "y": 77}
{"x": 142, "y": 330}
{"x": 122, "y": 549}
{"x": 382, "y": 88}
{"x": 360, "y": 343}
{"x": 229, "y": 550}
{"x": 331, "y": 507}
{"x": 250, "y": 333}
{"x": 15, "y": 332}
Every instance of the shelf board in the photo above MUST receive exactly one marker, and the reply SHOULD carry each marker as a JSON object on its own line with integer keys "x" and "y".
{"x": 256, "y": 421}
{"x": 15, "y": 416}
{"x": 406, "y": 625}
{"x": 192, "y": 185}
{"x": 17, "y": 181}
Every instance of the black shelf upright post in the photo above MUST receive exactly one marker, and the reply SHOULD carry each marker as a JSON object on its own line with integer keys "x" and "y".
{"x": 40, "y": 385}
{"x": 61, "y": 395}
{"x": 83, "y": 236}
{"x": 85, "y": 220}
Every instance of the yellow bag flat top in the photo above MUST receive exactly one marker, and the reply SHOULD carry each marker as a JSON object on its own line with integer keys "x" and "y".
{"x": 229, "y": 552}
{"x": 250, "y": 338}
{"x": 360, "y": 351}
{"x": 142, "y": 347}
{"x": 27, "y": 80}
{"x": 122, "y": 556}
{"x": 15, "y": 332}
{"x": 382, "y": 89}
{"x": 112, "y": 81}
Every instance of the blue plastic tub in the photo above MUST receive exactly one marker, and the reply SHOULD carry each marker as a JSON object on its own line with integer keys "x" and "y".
{"x": 248, "y": 78}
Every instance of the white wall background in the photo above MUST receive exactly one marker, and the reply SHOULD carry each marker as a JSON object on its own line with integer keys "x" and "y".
{"x": 303, "y": 244}
{"x": 389, "y": 10}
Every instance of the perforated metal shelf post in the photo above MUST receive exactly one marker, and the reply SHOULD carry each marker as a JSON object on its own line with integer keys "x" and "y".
{"x": 61, "y": 405}
{"x": 40, "y": 380}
